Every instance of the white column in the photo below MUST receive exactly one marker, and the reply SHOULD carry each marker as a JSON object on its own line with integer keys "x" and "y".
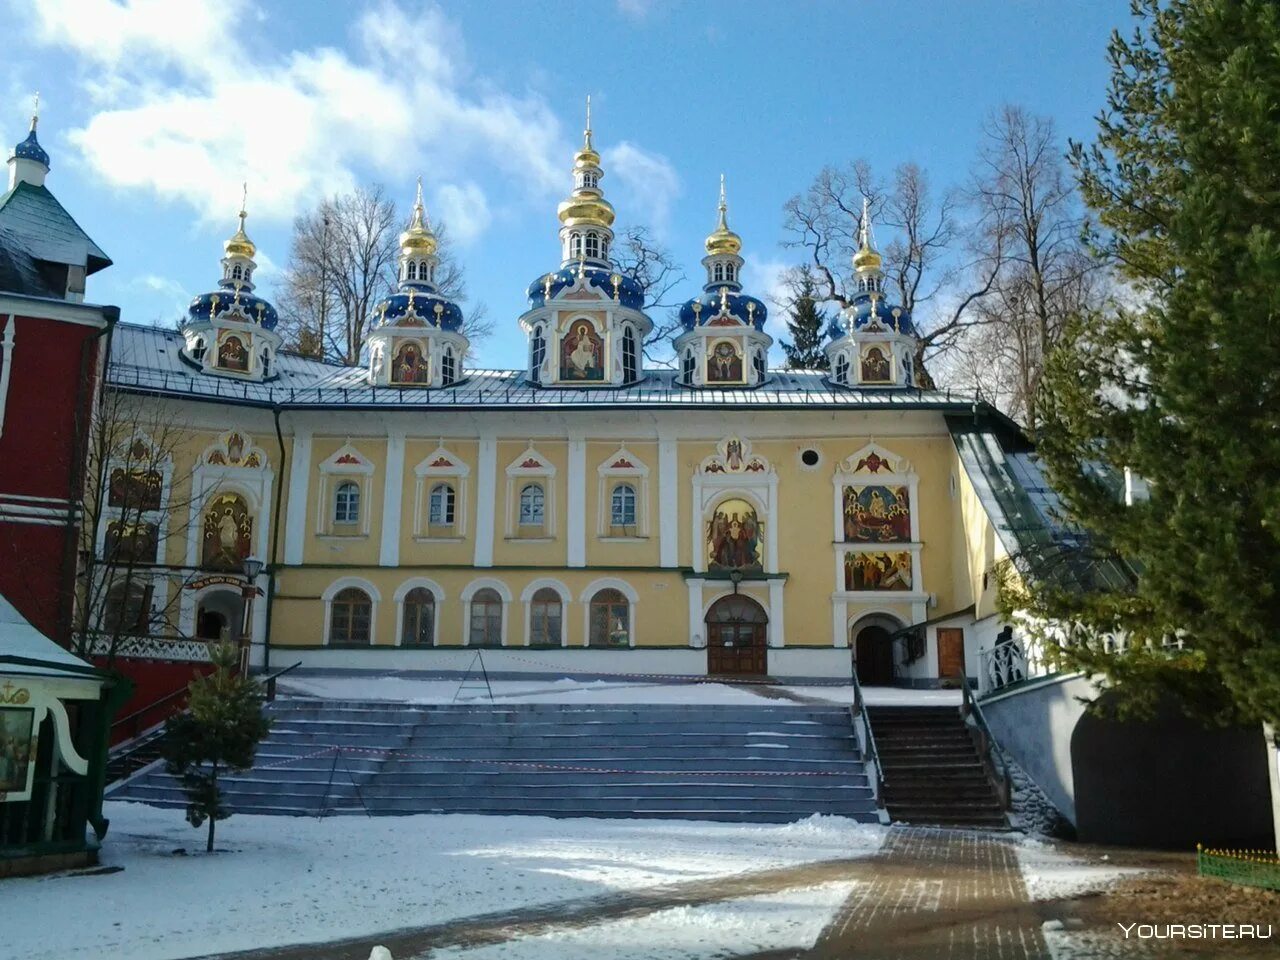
{"x": 392, "y": 496}
{"x": 668, "y": 504}
{"x": 295, "y": 524}
{"x": 576, "y": 503}
{"x": 777, "y": 632}
{"x": 840, "y": 623}
{"x": 486, "y": 488}
{"x": 696, "y": 627}
{"x": 6, "y": 363}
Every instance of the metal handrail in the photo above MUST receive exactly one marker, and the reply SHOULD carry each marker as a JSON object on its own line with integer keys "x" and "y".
{"x": 859, "y": 711}
{"x": 270, "y": 679}
{"x": 992, "y": 757}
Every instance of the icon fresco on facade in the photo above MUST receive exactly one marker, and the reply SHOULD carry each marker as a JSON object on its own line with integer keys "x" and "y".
{"x": 724, "y": 363}
{"x": 409, "y": 365}
{"x": 228, "y": 533}
{"x": 877, "y": 571}
{"x": 735, "y": 537}
{"x": 582, "y": 353}
{"x": 877, "y": 514}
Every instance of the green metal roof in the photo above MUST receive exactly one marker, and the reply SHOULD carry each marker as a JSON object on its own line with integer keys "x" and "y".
{"x": 35, "y": 228}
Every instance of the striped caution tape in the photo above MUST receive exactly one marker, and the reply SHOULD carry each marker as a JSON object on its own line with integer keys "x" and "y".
{"x": 566, "y": 768}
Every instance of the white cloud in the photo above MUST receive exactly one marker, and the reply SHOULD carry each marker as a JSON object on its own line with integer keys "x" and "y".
{"x": 647, "y": 184}
{"x": 195, "y": 108}
{"x": 635, "y": 9}
{"x": 464, "y": 210}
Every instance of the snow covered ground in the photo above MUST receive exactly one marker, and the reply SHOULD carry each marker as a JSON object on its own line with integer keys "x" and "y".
{"x": 290, "y": 880}
{"x": 574, "y": 691}
{"x": 1052, "y": 874}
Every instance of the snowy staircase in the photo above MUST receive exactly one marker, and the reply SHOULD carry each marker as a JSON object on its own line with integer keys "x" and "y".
{"x": 768, "y": 763}
{"x": 933, "y": 774}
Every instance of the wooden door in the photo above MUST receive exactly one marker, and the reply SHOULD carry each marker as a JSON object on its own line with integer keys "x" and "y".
{"x": 873, "y": 650}
{"x": 736, "y": 637}
{"x": 951, "y": 653}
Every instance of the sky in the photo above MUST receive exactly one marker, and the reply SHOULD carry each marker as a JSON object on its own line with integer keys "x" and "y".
{"x": 155, "y": 112}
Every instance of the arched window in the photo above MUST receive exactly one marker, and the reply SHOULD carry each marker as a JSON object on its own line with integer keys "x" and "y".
{"x": 424, "y": 271}
{"x": 717, "y": 273}
{"x": 761, "y": 366}
{"x": 448, "y": 368}
{"x": 593, "y": 245}
{"x": 128, "y": 608}
{"x": 622, "y": 506}
{"x": 575, "y": 244}
{"x": 537, "y": 352}
{"x": 197, "y": 352}
{"x": 729, "y": 272}
{"x": 440, "y": 510}
{"x": 546, "y": 615}
{"x": 486, "y": 618}
{"x": 690, "y": 364}
{"x": 533, "y": 505}
{"x": 630, "y": 366}
{"x": 248, "y": 274}
{"x": 351, "y": 617}
{"x": 604, "y": 248}
{"x": 411, "y": 270}
{"x": 610, "y": 619}
{"x": 842, "y": 369}
{"x": 237, "y": 272}
{"x": 266, "y": 363}
{"x": 419, "y": 625}
{"x": 346, "y": 503}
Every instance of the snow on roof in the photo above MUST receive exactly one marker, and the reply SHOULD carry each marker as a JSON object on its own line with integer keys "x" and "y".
{"x": 19, "y": 639}
{"x": 148, "y": 359}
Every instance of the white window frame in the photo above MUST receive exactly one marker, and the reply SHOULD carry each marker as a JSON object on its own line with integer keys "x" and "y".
{"x": 474, "y": 587}
{"x": 346, "y": 463}
{"x": 530, "y": 467}
{"x": 633, "y": 606}
{"x": 622, "y": 466}
{"x": 342, "y": 583}
{"x": 526, "y": 598}
{"x": 402, "y": 594}
{"x": 441, "y": 464}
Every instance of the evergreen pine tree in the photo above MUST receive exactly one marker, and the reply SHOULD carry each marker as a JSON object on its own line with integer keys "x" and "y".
{"x": 807, "y": 326}
{"x": 1183, "y": 385}
{"x": 219, "y": 731}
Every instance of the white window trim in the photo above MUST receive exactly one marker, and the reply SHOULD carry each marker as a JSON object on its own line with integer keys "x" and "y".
{"x": 403, "y": 591}
{"x": 518, "y": 475}
{"x": 526, "y": 597}
{"x": 759, "y": 488}
{"x": 470, "y": 591}
{"x": 361, "y": 472}
{"x": 633, "y": 605}
{"x": 157, "y": 516}
{"x": 899, "y": 473}
{"x": 342, "y": 583}
{"x": 427, "y": 476}
{"x": 608, "y": 476}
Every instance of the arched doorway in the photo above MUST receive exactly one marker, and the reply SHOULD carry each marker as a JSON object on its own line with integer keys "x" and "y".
{"x": 218, "y": 616}
{"x": 736, "y": 643}
{"x": 873, "y": 650}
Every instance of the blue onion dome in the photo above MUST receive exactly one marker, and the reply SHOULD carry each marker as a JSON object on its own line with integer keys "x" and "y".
{"x": 229, "y": 301}
{"x": 30, "y": 149}
{"x": 870, "y": 310}
{"x": 621, "y": 287}
{"x": 417, "y": 302}
{"x": 715, "y": 307}
{"x": 235, "y": 295}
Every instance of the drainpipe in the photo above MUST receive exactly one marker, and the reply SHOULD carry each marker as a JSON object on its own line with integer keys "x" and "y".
{"x": 275, "y": 544}
{"x": 75, "y": 492}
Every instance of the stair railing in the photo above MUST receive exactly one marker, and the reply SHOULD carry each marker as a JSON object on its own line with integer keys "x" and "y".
{"x": 270, "y": 679}
{"x": 993, "y": 761}
{"x": 867, "y": 739}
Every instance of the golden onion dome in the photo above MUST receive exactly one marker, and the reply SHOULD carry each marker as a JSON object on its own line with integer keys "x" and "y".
{"x": 240, "y": 245}
{"x": 723, "y": 241}
{"x": 418, "y": 238}
{"x": 585, "y": 209}
{"x": 866, "y": 259}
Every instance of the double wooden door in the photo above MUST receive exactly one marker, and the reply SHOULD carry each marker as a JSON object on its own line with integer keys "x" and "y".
{"x": 737, "y": 643}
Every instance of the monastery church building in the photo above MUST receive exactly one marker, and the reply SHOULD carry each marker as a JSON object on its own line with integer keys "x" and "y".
{"x": 583, "y": 514}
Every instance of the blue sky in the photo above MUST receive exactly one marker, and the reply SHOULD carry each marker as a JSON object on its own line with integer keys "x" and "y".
{"x": 154, "y": 112}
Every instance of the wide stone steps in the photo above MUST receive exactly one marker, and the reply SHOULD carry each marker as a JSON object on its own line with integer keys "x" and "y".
{"x": 740, "y": 763}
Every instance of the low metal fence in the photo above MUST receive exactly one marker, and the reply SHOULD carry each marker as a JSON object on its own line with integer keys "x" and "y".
{"x": 1252, "y": 868}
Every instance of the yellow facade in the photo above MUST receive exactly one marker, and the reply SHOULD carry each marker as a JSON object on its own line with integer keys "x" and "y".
{"x": 796, "y": 467}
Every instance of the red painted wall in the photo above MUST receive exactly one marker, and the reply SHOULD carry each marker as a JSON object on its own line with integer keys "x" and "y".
{"x": 51, "y": 379}
{"x": 153, "y": 680}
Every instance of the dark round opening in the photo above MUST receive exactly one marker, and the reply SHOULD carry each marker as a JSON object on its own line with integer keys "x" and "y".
{"x": 809, "y": 458}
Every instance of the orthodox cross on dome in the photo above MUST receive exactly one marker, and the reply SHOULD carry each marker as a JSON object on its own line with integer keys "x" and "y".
{"x": 35, "y": 111}
{"x": 586, "y": 134}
